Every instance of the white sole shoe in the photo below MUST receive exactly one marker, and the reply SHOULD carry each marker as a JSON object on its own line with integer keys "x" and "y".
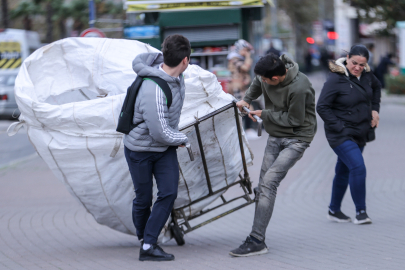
{"x": 260, "y": 252}
{"x": 363, "y": 221}
{"x": 338, "y": 220}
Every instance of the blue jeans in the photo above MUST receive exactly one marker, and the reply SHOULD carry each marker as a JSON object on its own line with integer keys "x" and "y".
{"x": 350, "y": 170}
{"x": 165, "y": 167}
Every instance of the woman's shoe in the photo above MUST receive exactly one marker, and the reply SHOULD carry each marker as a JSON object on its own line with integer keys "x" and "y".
{"x": 338, "y": 216}
{"x": 362, "y": 218}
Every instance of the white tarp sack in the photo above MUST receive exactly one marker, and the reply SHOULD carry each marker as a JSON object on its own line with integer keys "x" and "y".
{"x": 70, "y": 93}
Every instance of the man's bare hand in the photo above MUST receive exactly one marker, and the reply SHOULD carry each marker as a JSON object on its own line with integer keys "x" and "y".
{"x": 182, "y": 145}
{"x": 258, "y": 113}
{"x": 241, "y": 103}
{"x": 244, "y": 52}
{"x": 376, "y": 119}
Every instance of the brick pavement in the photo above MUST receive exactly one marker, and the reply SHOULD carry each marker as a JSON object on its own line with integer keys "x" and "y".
{"x": 43, "y": 227}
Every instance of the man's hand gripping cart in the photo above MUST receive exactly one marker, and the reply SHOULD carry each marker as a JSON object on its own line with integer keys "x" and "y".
{"x": 180, "y": 223}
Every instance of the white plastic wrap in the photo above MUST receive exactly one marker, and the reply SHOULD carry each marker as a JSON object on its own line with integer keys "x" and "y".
{"x": 70, "y": 93}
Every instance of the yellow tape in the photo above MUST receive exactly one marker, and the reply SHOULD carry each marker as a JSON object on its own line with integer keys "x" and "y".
{"x": 16, "y": 64}
{"x": 8, "y": 64}
{"x": 10, "y": 55}
{"x": 193, "y": 5}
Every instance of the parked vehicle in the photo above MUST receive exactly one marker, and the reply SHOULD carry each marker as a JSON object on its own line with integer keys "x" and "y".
{"x": 8, "y": 106}
{"x": 15, "y": 46}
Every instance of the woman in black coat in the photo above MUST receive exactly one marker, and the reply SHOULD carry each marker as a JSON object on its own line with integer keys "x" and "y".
{"x": 349, "y": 105}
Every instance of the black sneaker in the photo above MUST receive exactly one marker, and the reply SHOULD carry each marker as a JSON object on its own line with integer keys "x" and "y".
{"x": 362, "y": 218}
{"x": 338, "y": 216}
{"x": 155, "y": 253}
{"x": 249, "y": 248}
{"x": 141, "y": 247}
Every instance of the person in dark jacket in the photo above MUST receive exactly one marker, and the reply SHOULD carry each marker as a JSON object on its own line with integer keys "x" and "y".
{"x": 273, "y": 50}
{"x": 382, "y": 68}
{"x": 348, "y": 115}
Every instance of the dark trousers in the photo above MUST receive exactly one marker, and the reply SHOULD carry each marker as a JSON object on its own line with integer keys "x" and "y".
{"x": 350, "y": 170}
{"x": 165, "y": 167}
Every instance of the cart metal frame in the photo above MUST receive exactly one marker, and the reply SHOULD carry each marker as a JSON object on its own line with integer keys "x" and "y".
{"x": 180, "y": 224}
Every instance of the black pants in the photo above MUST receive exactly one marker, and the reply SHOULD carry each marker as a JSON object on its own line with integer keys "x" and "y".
{"x": 165, "y": 167}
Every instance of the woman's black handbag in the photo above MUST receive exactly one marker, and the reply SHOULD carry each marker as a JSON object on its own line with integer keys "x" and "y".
{"x": 371, "y": 131}
{"x": 371, "y": 134}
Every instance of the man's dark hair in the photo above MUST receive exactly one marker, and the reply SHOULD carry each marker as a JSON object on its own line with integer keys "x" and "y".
{"x": 270, "y": 65}
{"x": 174, "y": 49}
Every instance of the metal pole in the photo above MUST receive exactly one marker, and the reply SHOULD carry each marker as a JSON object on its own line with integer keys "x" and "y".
{"x": 274, "y": 19}
{"x": 92, "y": 14}
{"x": 321, "y": 14}
{"x": 242, "y": 151}
{"x": 401, "y": 36}
{"x": 204, "y": 161}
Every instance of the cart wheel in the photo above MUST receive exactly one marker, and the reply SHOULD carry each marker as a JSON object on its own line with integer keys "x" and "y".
{"x": 177, "y": 234}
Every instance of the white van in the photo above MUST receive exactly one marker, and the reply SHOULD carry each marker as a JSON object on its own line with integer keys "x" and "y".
{"x": 15, "y": 46}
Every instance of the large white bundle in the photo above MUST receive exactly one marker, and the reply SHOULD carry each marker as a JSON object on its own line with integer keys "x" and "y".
{"x": 70, "y": 93}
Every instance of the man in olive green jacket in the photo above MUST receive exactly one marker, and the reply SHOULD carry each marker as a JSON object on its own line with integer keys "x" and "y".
{"x": 289, "y": 118}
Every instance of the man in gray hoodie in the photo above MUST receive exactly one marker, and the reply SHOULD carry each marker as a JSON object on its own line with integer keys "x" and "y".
{"x": 150, "y": 148}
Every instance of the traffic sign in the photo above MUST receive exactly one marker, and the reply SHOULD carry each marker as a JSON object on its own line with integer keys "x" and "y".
{"x": 93, "y": 32}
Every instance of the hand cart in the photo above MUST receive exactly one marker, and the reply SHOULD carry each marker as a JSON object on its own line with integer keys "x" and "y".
{"x": 180, "y": 223}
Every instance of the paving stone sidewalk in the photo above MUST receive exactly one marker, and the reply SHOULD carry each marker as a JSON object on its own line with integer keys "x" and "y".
{"x": 43, "y": 227}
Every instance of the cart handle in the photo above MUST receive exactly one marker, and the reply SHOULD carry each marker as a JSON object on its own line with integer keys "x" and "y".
{"x": 258, "y": 119}
{"x": 190, "y": 152}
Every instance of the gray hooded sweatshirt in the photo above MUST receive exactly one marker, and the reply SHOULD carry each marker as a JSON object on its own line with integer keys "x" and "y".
{"x": 160, "y": 129}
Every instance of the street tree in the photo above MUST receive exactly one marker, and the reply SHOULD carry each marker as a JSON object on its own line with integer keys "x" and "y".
{"x": 79, "y": 12}
{"x": 61, "y": 12}
{"x": 302, "y": 13}
{"x": 4, "y": 13}
{"x": 389, "y": 11}
{"x": 25, "y": 10}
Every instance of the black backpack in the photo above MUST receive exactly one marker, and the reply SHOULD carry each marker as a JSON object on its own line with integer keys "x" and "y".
{"x": 125, "y": 121}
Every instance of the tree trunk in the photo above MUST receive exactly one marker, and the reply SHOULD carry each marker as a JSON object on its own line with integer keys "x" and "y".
{"x": 27, "y": 23}
{"x": 299, "y": 44}
{"x": 62, "y": 28}
{"x": 4, "y": 11}
{"x": 49, "y": 23}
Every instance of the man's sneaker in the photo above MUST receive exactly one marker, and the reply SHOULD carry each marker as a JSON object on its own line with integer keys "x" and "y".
{"x": 155, "y": 253}
{"x": 249, "y": 248}
{"x": 362, "y": 218}
{"x": 338, "y": 216}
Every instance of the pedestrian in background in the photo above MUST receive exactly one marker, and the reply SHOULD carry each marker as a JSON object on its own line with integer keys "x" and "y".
{"x": 150, "y": 148}
{"x": 290, "y": 119}
{"x": 308, "y": 61}
{"x": 273, "y": 50}
{"x": 349, "y": 105}
{"x": 239, "y": 64}
{"x": 382, "y": 68}
{"x": 370, "y": 48}
{"x": 324, "y": 61}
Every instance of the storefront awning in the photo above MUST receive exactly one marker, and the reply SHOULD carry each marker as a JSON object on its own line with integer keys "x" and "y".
{"x": 179, "y": 5}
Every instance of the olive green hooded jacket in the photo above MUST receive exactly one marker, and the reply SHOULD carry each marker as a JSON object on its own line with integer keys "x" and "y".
{"x": 289, "y": 106}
